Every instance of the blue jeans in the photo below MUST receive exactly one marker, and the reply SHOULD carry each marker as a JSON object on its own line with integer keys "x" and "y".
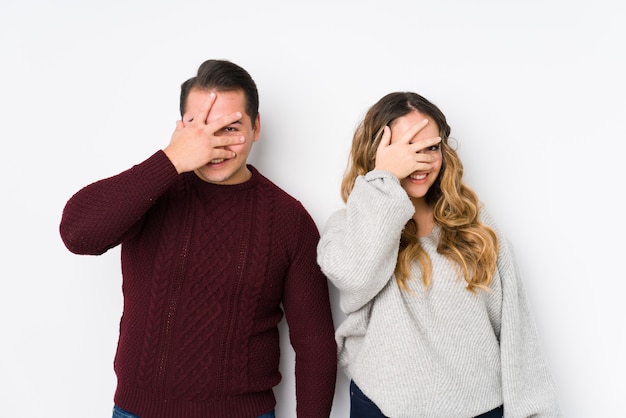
{"x": 362, "y": 407}
{"x": 120, "y": 413}
{"x": 494, "y": 413}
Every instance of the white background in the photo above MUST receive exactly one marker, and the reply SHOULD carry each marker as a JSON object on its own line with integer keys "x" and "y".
{"x": 534, "y": 92}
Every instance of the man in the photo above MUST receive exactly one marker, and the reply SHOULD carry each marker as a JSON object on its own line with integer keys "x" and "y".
{"x": 211, "y": 250}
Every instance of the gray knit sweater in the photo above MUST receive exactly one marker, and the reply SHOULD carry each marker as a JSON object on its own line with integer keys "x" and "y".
{"x": 439, "y": 352}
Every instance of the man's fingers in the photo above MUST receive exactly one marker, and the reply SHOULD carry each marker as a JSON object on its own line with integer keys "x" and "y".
{"x": 220, "y": 123}
{"x": 226, "y": 140}
{"x": 203, "y": 115}
{"x": 222, "y": 153}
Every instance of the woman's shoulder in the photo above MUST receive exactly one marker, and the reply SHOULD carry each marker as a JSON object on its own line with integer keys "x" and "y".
{"x": 486, "y": 217}
{"x": 506, "y": 252}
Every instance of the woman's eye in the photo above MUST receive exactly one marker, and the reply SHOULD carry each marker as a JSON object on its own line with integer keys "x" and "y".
{"x": 434, "y": 147}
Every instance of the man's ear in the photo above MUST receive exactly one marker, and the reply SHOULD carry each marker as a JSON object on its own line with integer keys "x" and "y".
{"x": 257, "y": 127}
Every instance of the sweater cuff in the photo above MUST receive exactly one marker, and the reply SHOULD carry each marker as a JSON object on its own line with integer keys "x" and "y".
{"x": 158, "y": 167}
{"x": 382, "y": 174}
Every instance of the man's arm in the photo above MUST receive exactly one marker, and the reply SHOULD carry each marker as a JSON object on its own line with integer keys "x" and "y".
{"x": 101, "y": 214}
{"x": 311, "y": 330}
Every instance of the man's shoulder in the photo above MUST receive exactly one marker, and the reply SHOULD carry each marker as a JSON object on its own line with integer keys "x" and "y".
{"x": 278, "y": 192}
{"x": 285, "y": 207}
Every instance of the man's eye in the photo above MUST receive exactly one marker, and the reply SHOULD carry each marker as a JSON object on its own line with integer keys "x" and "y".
{"x": 230, "y": 129}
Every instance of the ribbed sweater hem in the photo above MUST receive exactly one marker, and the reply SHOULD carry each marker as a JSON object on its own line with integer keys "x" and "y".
{"x": 148, "y": 405}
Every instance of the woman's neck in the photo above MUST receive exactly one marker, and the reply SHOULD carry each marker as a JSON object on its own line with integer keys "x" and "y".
{"x": 423, "y": 217}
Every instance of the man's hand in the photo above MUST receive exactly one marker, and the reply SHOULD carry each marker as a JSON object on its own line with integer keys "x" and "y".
{"x": 195, "y": 141}
{"x": 404, "y": 156}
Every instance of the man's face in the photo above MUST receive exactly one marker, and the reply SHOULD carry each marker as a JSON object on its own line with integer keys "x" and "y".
{"x": 231, "y": 170}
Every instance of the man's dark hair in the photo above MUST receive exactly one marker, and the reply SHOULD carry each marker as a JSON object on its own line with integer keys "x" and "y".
{"x": 222, "y": 75}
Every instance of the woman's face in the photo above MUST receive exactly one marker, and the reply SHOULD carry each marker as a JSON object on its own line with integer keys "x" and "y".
{"x": 418, "y": 183}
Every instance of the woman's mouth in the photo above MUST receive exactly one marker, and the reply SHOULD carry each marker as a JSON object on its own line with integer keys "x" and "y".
{"x": 418, "y": 176}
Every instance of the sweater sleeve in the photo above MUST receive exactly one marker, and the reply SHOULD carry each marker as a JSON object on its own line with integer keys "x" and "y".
{"x": 527, "y": 386}
{"x": 359, "y": 247}
{"x": 102, "y": 214}
{"x": 311, "y": 330}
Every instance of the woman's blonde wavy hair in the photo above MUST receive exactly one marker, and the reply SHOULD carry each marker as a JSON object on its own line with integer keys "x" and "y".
{"x": 470, "y": 244}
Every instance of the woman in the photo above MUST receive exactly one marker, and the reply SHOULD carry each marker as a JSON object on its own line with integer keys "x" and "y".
{"x": 437, "y": 319}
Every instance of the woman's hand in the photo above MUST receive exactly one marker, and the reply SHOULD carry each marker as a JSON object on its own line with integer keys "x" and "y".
{"x": 403, "y": 156}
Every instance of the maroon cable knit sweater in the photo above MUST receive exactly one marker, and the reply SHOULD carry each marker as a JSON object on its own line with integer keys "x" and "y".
{"x": 205, "y": 270}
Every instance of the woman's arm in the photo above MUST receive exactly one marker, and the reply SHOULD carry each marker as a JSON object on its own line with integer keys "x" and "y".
{"x": 359, "y": 247}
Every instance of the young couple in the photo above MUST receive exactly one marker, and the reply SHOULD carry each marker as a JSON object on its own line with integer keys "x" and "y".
{"x": 213, "y": 254}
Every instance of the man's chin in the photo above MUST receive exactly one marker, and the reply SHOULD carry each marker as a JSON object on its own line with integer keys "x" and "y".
{"x": 211, "y": 175}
